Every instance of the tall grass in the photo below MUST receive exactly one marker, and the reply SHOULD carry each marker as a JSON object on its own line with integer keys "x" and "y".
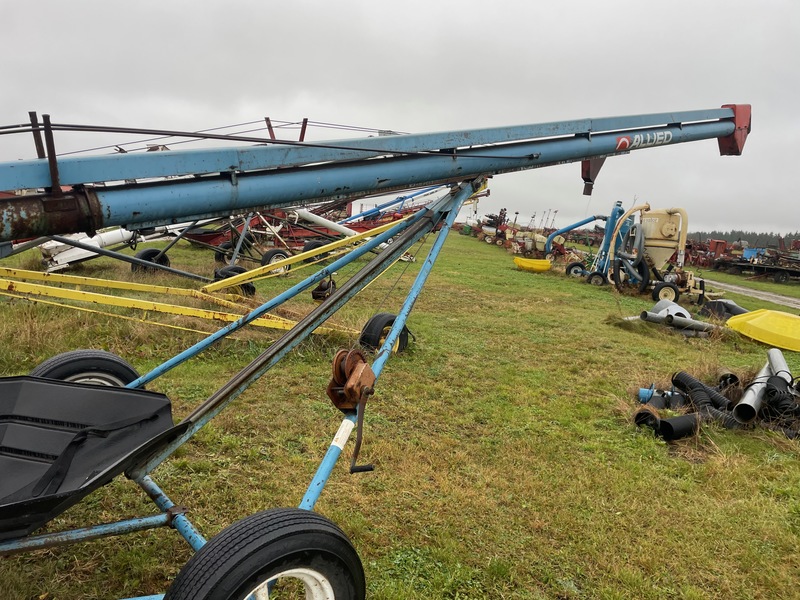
{"x": 507, "y": 465}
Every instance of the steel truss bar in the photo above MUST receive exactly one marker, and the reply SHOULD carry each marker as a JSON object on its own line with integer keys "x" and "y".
{"x": 80, "y": 170}
{"x": 50, "y": 540}
{"x": 129, "y": 259}
{"x": 238, "y": 188}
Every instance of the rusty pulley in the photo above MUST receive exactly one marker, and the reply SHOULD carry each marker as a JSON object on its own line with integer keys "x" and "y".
{"x": 352, "y": 383}
{"x": 352, "y": 379}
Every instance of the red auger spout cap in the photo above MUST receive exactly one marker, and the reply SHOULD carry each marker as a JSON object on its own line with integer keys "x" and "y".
{"x": 733, "y": 144}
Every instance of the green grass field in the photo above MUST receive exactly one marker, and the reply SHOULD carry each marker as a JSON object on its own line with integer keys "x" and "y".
{"x": 506, "y": 461}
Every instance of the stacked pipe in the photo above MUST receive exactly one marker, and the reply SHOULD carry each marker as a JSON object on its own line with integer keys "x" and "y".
{"x": 770, "y": 396}
{"x": 672, "y": 315}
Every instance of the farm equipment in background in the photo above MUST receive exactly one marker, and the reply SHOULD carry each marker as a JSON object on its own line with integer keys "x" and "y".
{"x": 597, "y": 271}
{"x": 529, "y": 242}
{"x": 781, "y": 265}
{"x": 493, "y": 228}
{"x": 644, "y": 255}
{"x": 652, "y": 255}
{"x": 587, "y": 237}
{"x": 256, "y": 238}
{"x": 44, "y": 472}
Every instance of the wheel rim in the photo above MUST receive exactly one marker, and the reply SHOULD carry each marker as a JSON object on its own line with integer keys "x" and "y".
{"x": 666, "y": 293}
{"x": 222, "y": 254}
{"x": 96, "y": 378}
{"x": 384, "y": 335}
{"x": 596, "y": 280}
{"x": 278, "y": 258}
{"x": 315, "y": 586}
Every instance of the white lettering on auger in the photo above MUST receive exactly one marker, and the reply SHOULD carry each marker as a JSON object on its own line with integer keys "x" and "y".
{"x": 643, "y": 140}
{"x": 651, "y": 139}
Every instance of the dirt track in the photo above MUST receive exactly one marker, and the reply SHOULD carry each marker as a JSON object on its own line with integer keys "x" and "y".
{"x": 770, "y": 297}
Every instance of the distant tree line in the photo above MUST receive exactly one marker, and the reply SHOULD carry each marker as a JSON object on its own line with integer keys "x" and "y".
{"x": 753, "y": 238}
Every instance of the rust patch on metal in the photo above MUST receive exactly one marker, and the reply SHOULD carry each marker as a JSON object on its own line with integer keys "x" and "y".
{"x": 174, "y": 511}
{"x": 77, "y": 211}
{"x": 352, "y": 380}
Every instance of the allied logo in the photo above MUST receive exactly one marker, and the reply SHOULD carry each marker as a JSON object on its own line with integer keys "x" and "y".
{"x": 643, "y": 140}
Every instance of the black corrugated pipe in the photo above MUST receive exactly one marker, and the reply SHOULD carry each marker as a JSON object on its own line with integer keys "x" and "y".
{"x": 779, "y": 403}
{"x": 789, "y": 432}
{"x": 699, "y": 395}
{"x": 717, "y": 399}
{"x": 658, "y": 401}
{"x": 676, "y": 428}
{"x": 647, "y": 418}
{"x": 676, "y": 400}
{"x": 670, "y": 429}
{"x": 726, "y": 379}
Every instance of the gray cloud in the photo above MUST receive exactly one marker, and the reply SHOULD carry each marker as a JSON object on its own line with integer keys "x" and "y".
{"x": 432, "y": 66}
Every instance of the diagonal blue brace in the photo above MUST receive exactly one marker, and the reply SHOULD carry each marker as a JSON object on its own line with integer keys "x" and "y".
{"x": 400, "y": 321}
{"x": 458, "y": 196}
{"x": 421, "y": 224}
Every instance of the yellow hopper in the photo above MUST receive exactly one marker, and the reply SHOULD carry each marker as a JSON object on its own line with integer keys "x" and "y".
{"x": 773, "y": 327}
{"x": 532, "y": 264}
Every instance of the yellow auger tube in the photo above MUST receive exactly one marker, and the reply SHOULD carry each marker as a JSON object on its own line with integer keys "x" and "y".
{"x": 266, "y": 269}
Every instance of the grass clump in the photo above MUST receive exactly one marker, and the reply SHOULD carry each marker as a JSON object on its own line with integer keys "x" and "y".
{"x": 506, "y": 462}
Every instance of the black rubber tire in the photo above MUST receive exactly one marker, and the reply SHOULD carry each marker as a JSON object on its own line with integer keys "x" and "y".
{"x": 780, "y": 277}
{"x": 665, "y": 290}
{"x": 596, "y": 278}
{"x": 150, "y": 255}
{"x": 641, "y": 269}
{"x": 576, "y": 269}
{"x": 248, "y": 553}
{"x": 223, "y": 253}
{"x": 313, "y": 245}
{"x": 374, "y": 333}
{"x": 324, "y": 289}
{"x": 96, "y": 367}
{"x": 275, "y": 255}
{"x": 246, "y": 289}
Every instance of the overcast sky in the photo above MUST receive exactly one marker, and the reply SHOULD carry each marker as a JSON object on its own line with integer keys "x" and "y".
{"x": 422, "y": 66}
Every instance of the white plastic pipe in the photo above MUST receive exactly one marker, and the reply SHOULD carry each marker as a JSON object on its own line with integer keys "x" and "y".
{"x": 323, "y": 222}
{"x": 778, "y": 365}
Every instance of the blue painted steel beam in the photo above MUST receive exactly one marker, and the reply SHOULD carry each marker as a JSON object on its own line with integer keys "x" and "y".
{"x": 335, "y": 449}
{"x": 63, "y": 538}
{"x": 385, "y": 351}
{"x": 275, "y": 302}
{"x": 177, "y": 200}
{"x": 328, "y": 462}
{"x": 376, "y": 210}
{"x": 179, "y": 521}
{"x": 118, "y": 167}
